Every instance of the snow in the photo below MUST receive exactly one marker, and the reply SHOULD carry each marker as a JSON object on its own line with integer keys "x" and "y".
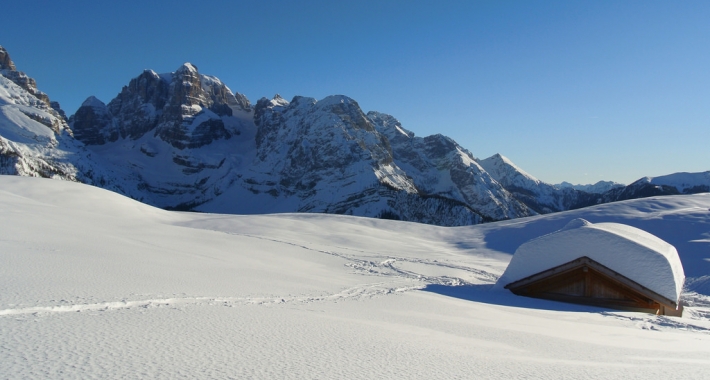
{"x": 499, "y": 166}
{"x": 634, "y": 253}
{"x": 333, "y": 100}
{"x": 278, "y": 101}
{"x": 17, "y": 108}
{"x": 187, "y": 67}
{"x": 681, "y": 181}
{"x": 400, "y": 130}
{"x": 95, "y": 284}
{"x": 17, "y": 126}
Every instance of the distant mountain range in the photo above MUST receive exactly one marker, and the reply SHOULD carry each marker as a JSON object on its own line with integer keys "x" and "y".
{"x": 598, "y": 188}
{"x": 185, "y": 141}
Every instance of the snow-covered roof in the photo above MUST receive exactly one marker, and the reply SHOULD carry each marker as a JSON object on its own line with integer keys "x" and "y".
{"x": 634, "y": 253}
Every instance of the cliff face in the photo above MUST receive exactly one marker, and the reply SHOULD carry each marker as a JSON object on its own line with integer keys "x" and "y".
{"x": 183, "y": 108}
{"x": 183, "y": 140}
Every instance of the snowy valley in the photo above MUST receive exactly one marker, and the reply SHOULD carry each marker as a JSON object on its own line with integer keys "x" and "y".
{"x": 95, "y": 283}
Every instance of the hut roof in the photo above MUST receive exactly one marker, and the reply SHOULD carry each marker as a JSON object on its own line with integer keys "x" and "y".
{"x": 634, "y": 253}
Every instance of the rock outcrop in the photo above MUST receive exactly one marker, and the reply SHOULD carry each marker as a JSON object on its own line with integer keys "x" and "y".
{"x": 183, "y": 108}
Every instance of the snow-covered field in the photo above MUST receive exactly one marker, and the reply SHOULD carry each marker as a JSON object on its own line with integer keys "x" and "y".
{"x": 95, "y": 285}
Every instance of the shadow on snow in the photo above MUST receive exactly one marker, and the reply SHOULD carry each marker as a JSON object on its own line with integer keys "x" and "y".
{"x": 485, "y": 294}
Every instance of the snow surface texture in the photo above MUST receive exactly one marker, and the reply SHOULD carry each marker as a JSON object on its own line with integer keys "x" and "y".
{"x": 634, "y": 253}
{"x": 95, "y": 285}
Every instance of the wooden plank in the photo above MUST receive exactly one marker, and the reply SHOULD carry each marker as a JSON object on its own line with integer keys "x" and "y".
{"x": 585, "y": 281}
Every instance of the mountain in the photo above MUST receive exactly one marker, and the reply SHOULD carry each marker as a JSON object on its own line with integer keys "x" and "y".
{"x": 537, "y": 195}
{"x": 441, "y": 167}
{"x": 35, "y": 139}
{"x": 545, "y": 198}
{"x": 172, "y": 139}
{"x": 185, "y": 141}
{"x": 597, "y": 188}
{"x": 672, "y": 184}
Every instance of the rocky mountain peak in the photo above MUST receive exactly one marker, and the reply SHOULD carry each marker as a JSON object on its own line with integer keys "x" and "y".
{"x": 278, "y": 101}
{"x": 389, "y": 125}
{"x": 5, "y": 61}
{"x": 184, "y": 108}
{"x": 186, "y": 89}
{"x": 94, "y": 102}
{"x": 187, "y": 68}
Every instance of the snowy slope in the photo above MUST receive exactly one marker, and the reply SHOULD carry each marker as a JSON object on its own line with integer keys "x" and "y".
{"x": 35, "y": 139}
{"x": 95, "y": 285}
{"x": 686, "y": 183}
{"x": 539, "y": 196}
{"x": 676, "y": 183}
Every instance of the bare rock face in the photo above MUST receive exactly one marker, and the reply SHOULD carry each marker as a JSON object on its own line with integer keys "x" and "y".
{"x": 5, "y": 61}
{"x": 184, "y": 108}
{"x": 89, "y": 120}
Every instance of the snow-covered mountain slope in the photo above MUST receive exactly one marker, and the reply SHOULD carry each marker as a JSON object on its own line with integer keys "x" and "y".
{"x": 327, "y": 156}
{"x": 677, "y": 183}
{"x": 35, "y": 139}
{"x": 539, "y": 196}
{"x": 183, "y": 140}
{"x": 685, "y": 183}
{"x": 440, "y": 167}
{"x": 174, "y": 140}
{"x": 597, "y": 188}
{"x": 96, "y": 285}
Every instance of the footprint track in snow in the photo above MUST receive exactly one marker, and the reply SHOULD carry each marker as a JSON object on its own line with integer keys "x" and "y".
{"x": 387, "y": 267}
{"x": 400, "y": 280}
{"x": 363, "y": 291}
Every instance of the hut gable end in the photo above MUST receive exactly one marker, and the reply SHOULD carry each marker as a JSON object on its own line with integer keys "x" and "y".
{"x": 585, "y": 281}
{"x": 605, "y": 264}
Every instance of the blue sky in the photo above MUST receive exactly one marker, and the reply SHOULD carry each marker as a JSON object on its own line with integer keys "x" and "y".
{"x": 580, "y": 91}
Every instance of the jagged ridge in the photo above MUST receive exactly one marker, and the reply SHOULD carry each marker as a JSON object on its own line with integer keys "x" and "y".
{"x": 185, "y": 141}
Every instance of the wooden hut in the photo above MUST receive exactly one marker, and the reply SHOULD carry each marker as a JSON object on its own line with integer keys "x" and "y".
{"x": 604, "y": 264}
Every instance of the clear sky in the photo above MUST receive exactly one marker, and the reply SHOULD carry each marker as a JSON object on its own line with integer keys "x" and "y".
{"x": 579, "y": 91}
